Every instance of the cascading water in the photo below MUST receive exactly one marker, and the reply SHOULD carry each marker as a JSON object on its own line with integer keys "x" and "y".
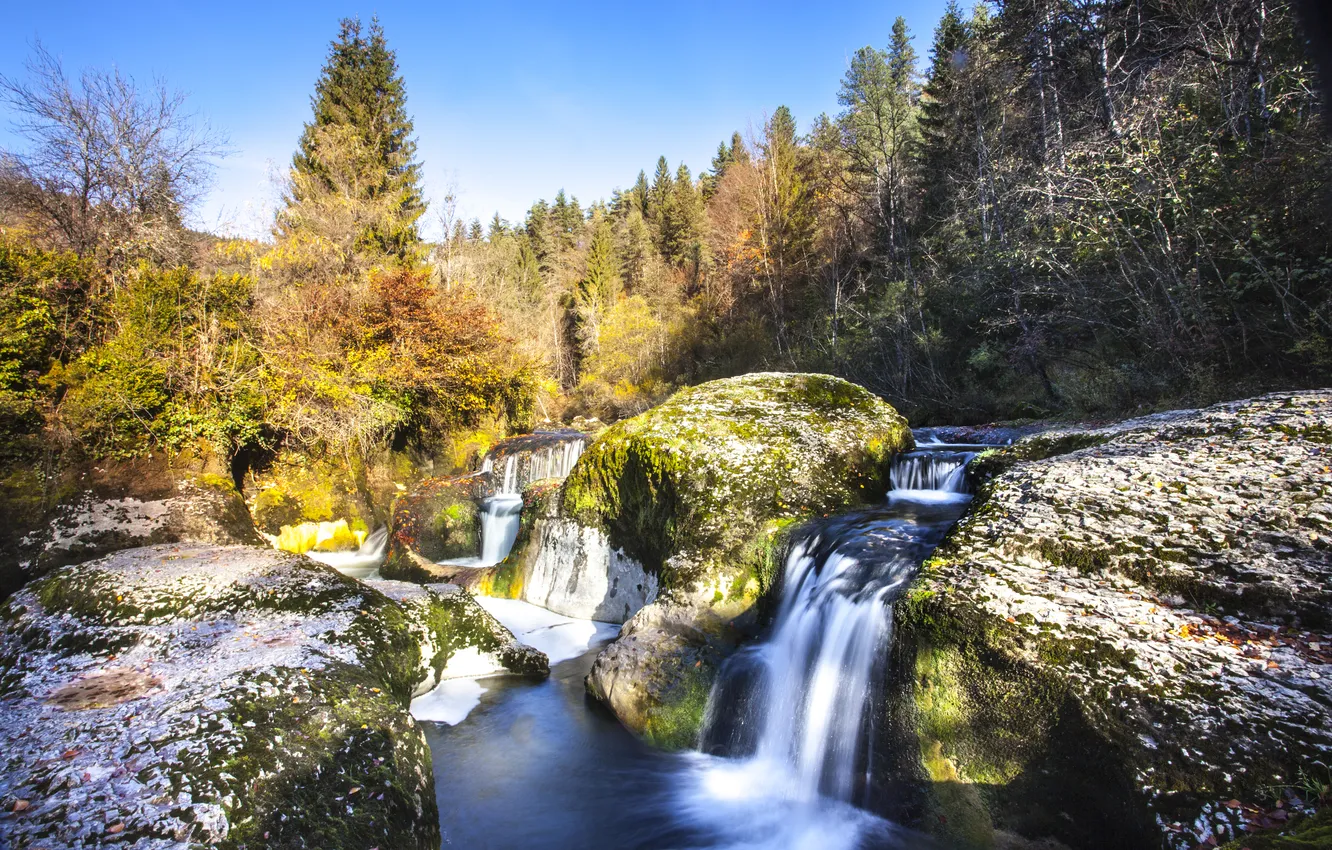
{"x": 795, "y": 714}
{"x": 364, "y": 562}
{"x": 525, "y": 460}
{"x": 500, "y": 517}
{"x": 936, "y": 472}
{"x": 787, "y": 756}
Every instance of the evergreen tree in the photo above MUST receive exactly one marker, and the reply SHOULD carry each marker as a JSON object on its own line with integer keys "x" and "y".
{"x": 786, "y": 219}
{"x": 567, "y": 221}
{"x": 683, "y": 240}
{"x": 539, "y": 235}
{"x": 942, "y": 117}
{"x": 659, "y": 196}
{"x": 635, "y": 248}
{"x": 640, "y": 192}
{"x": 497, "y": 227}
{"x": 358, "y": 148}
{"x": 881, "y": 94}
{"x": 711, "y": 179}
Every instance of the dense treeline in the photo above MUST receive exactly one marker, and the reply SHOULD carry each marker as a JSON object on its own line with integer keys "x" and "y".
{"x": 1066, "y": 207}
{"x": 1079, "y": 207}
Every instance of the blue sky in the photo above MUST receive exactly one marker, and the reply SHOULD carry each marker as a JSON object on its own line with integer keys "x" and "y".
{"x": 512, "y": 101}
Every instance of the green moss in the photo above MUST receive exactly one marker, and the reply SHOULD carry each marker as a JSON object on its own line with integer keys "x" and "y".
{"x": 1308, "y": 833}
{"x": 704, "y": 474}
{"x": 355, "y": 771}
{"x": 1003, "y": 743}
{"x": 674, "y": 723}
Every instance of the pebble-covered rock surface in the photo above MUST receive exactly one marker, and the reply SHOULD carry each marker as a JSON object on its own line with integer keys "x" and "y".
{"x": 187, "y": 696}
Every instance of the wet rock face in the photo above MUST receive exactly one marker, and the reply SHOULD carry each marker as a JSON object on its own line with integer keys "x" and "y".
{"x": 699, "y": 491}
{"x": 184, "y": 695}
{"x": 1159, "y": 590}
{"x": 437, "y": 520}
{"x": 189, "y": 509}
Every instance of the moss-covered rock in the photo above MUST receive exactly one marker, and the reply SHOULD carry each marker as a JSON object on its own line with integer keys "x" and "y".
{"x": 121, "y": 505}
{"x": 1303, "y": 833}
{"x": 1129, "y": 629}
{"x": 230, "y": 696}
{"x": 436, "y": 520}
{"x": 296, "y": 488}
{"x": 445, "y": 620}
{"x": 699, "y": 491}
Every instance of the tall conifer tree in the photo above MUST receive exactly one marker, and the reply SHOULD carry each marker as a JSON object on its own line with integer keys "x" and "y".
{"x": 359, "y": 145}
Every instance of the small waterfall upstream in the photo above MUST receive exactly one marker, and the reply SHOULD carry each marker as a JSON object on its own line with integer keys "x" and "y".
{"x": 796, "y": 713}
{"x": 364, "y": 562}
{"x": 500, "y": 517}
{"x": 524, "y": 460}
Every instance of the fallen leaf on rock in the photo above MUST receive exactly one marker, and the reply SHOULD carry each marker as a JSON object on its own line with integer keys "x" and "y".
{"x": 116, "y": 828}
{"x": 21, "y": 805}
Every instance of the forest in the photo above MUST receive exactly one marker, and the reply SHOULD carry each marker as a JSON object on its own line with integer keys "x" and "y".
{"x": 1058, "y": 209}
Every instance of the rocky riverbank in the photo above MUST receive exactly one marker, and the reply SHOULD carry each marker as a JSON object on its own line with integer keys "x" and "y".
{"x": 173, "y": 696}
{"x": 1126, "y": 640}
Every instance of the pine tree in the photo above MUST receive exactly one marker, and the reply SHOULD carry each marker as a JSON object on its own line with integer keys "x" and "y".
{"x": 539, "y": 234}
{"x": 684, "y": 231}
{"x": 739, "y": 153}
{"x": 881, "y": 94}
{"x": 659, "y": 197}
{"x": 711, "y": 179}
{"x": 640, "y": 193}
{"x": 635, "y": 247}
{"x": 786, "y": 218}
{"x": 942, "y": 116}
{"x": 600, "y": 286}
{"x": 358, "y": 148}
{"x": 567, "y": 221}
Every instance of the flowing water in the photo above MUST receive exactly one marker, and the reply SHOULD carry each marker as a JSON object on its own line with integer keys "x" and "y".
{"x": 533, "y": 458}
{"x": 786, "y": 756}
{"x": 364, "y": 562}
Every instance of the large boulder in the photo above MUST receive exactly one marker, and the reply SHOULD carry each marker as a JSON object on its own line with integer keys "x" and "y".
{"x": 699, "y": 491}
{"x": 1125, "y": 643}
{"x": 118, "y": 505}
{"x": 176, "y": 696}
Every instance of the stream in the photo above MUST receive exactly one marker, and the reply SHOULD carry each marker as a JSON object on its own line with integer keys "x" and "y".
{"x": 786, "y": 753}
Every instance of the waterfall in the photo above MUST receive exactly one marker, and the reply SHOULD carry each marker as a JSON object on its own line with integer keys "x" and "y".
{"x": 802, "y": 704}
{"x": 523, "y": 465}
{"x": 941, "y": 470}
{"x": 500, "y": 517}
{"x": 364, "y": 562}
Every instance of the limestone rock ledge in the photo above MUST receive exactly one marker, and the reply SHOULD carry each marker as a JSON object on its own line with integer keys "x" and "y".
{"x": 181, "y": 696}
{"x": 1129, "y": 629}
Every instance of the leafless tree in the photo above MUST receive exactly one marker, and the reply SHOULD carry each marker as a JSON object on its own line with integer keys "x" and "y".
{"x": 109, "y": 166}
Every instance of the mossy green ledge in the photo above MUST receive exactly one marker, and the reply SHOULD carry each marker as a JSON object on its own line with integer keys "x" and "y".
{"x": 234, "y": 696}
{"x": 699, "y": 491}
{"x": 1128, "y": 631}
